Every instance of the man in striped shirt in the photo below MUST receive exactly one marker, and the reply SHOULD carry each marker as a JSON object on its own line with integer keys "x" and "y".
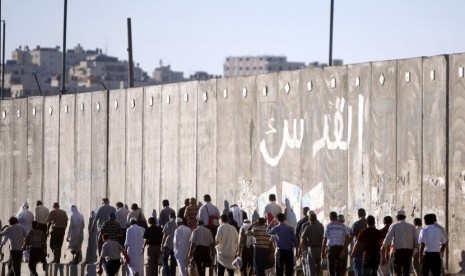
{"x": 336, "y": 238}
{"x": 262, "y": 245}
{"x": 111, "y": 228}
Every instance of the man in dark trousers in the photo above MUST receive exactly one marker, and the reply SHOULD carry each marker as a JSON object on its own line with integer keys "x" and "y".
{"x": 58, "y": 220}
{"x": 402, "y": 236}
{"x": 36, "y": 243}
{"x": 286, "y": 242}
{"x": 369, "y": 242}
{"x": 153, "y": 236}
{"x": 15, "y": 234}
{"x": 335, "y": 242}
{"x": 432, "y": 246}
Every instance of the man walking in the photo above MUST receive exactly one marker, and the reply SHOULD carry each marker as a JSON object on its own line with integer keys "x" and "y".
{"x": 165, "y": 213}
{"x": 271, "y": 209}
{"x": 153, "y": 236}
{"x": 121, "y": 218}
{"x": 209, "y": 214}
{"x": 245, "y": 249}
{"x": 15, "y": 234}
{"x": 58, "y": 220}
{"x": 432, "y": 246}
{"x": 41, "y": 215}
{"x": 402, "y": 234}
{"x": 134, "y": 246}
{"x": 311, "y": 241}
{"x": 335, "y": 242}
{"x": 110, "y": 256}
{"x": 36, "y": 243}
{"x": 369, "y": 243}
{"x": 384, "y": 267}
{"x": 226, "y": 246}
{"x": 286, "y": 242}
{"x": 181, "y": 246}
{"x": 201, "y": 247}
{"x": 262, "y": 245}
{"x": 102, "y": 215}
{"x": 169, "y": 262}
{"x": 354, "y": 231}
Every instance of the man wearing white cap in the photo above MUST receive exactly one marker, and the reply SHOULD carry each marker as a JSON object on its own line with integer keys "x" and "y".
{"x": 402, "y": 235}
{"x": 181, "y": 245}
{"x": 134, "y": 245}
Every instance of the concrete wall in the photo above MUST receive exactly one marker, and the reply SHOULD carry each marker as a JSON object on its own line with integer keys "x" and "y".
{"x": 382, "y": 135}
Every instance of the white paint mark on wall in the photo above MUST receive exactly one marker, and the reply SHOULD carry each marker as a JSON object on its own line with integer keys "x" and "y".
{"x": 338, "y": 127}
{"x": 294, "y": 143}
{"x": 247, "y": 198}
{"x": 314, "y": 200}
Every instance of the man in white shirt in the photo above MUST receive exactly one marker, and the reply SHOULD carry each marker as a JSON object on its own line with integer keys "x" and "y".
{"x": 41, "y": 216}
{"x": 272, "y": 209}
{"x": 181, "y": 245}
{"x": 209, "y": 214}
{"x": 121, "y": 218}
{"x": 432, "y": 246}
{"x": 226, "y": 246}
{"x": 402, "y": 234}
{"x": 134, "y": 245}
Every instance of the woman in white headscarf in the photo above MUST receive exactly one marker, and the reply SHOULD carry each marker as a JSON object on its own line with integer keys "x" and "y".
{"x": 75, "y": 234}
{"x": 25, "y": 217}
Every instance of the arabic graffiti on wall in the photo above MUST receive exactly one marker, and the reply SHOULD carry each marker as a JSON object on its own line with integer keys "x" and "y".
{"x": 330, "y": 140}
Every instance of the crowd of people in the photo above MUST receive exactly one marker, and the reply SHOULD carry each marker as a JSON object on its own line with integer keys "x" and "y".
{"x": 198, "y": 238}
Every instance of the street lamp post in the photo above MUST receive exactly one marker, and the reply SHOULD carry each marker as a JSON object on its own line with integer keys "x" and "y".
{"x": 63, "y": 88}
{"x": 331, "y": 34}
{"x": 3, "y": 58}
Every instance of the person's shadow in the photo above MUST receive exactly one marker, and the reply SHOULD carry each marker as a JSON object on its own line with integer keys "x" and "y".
{"x": 462, "y": 263}
{"x": 290, "y": 215}
{"x": 226, "y": 208}
{"x": 91, "y": 253}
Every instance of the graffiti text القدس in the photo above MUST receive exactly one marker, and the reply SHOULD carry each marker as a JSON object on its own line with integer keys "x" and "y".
{"x": 293, "y": 143}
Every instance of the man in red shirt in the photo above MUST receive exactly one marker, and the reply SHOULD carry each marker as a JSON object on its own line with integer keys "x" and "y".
{"x": 370, "y": 239}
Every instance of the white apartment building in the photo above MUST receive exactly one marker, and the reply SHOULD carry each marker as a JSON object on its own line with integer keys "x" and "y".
{"x": 252, "y": 65}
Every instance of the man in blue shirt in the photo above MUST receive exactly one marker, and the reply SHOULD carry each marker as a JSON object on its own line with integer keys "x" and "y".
{"x": 286, "y": 242}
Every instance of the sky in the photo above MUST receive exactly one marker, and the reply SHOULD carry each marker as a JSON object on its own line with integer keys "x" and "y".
{"x": 198, "y": 35}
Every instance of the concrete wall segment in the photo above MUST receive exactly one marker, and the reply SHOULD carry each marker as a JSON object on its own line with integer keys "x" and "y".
{"x": 456, "y": 162}
{"x": 383, "y": 136}
{"x": 170, "y": 107}
{"x": 359, "y": 165}
{"x": 206, "y": 140}
{"x": 99, "y": 147}
{"x": 35, "y": 148}
{"x": 117, "y": 146}
{"x": 187, "y": 142}
{"x": 134, "y": 150}
{"x": 152, "y": 149}
{"x": 434, "y": 137}
{"x": 6, "y": 155}
{"x": 51, "y": 149}
{"x": 409, "y": 131}
{"x": 19, "y": 138}
{"x": 336, "y": 136}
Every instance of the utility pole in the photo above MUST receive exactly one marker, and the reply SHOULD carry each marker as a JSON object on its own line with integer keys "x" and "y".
{"x": 131, "y": 62}
{"x": 331, "y": 34}
{"x": 63, "y": 88}
{"x": 3, "y": 58}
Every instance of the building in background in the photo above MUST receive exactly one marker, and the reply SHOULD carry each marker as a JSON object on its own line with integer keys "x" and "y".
{"x": 88, "y": 70}
{"x": 252, "y": 65}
